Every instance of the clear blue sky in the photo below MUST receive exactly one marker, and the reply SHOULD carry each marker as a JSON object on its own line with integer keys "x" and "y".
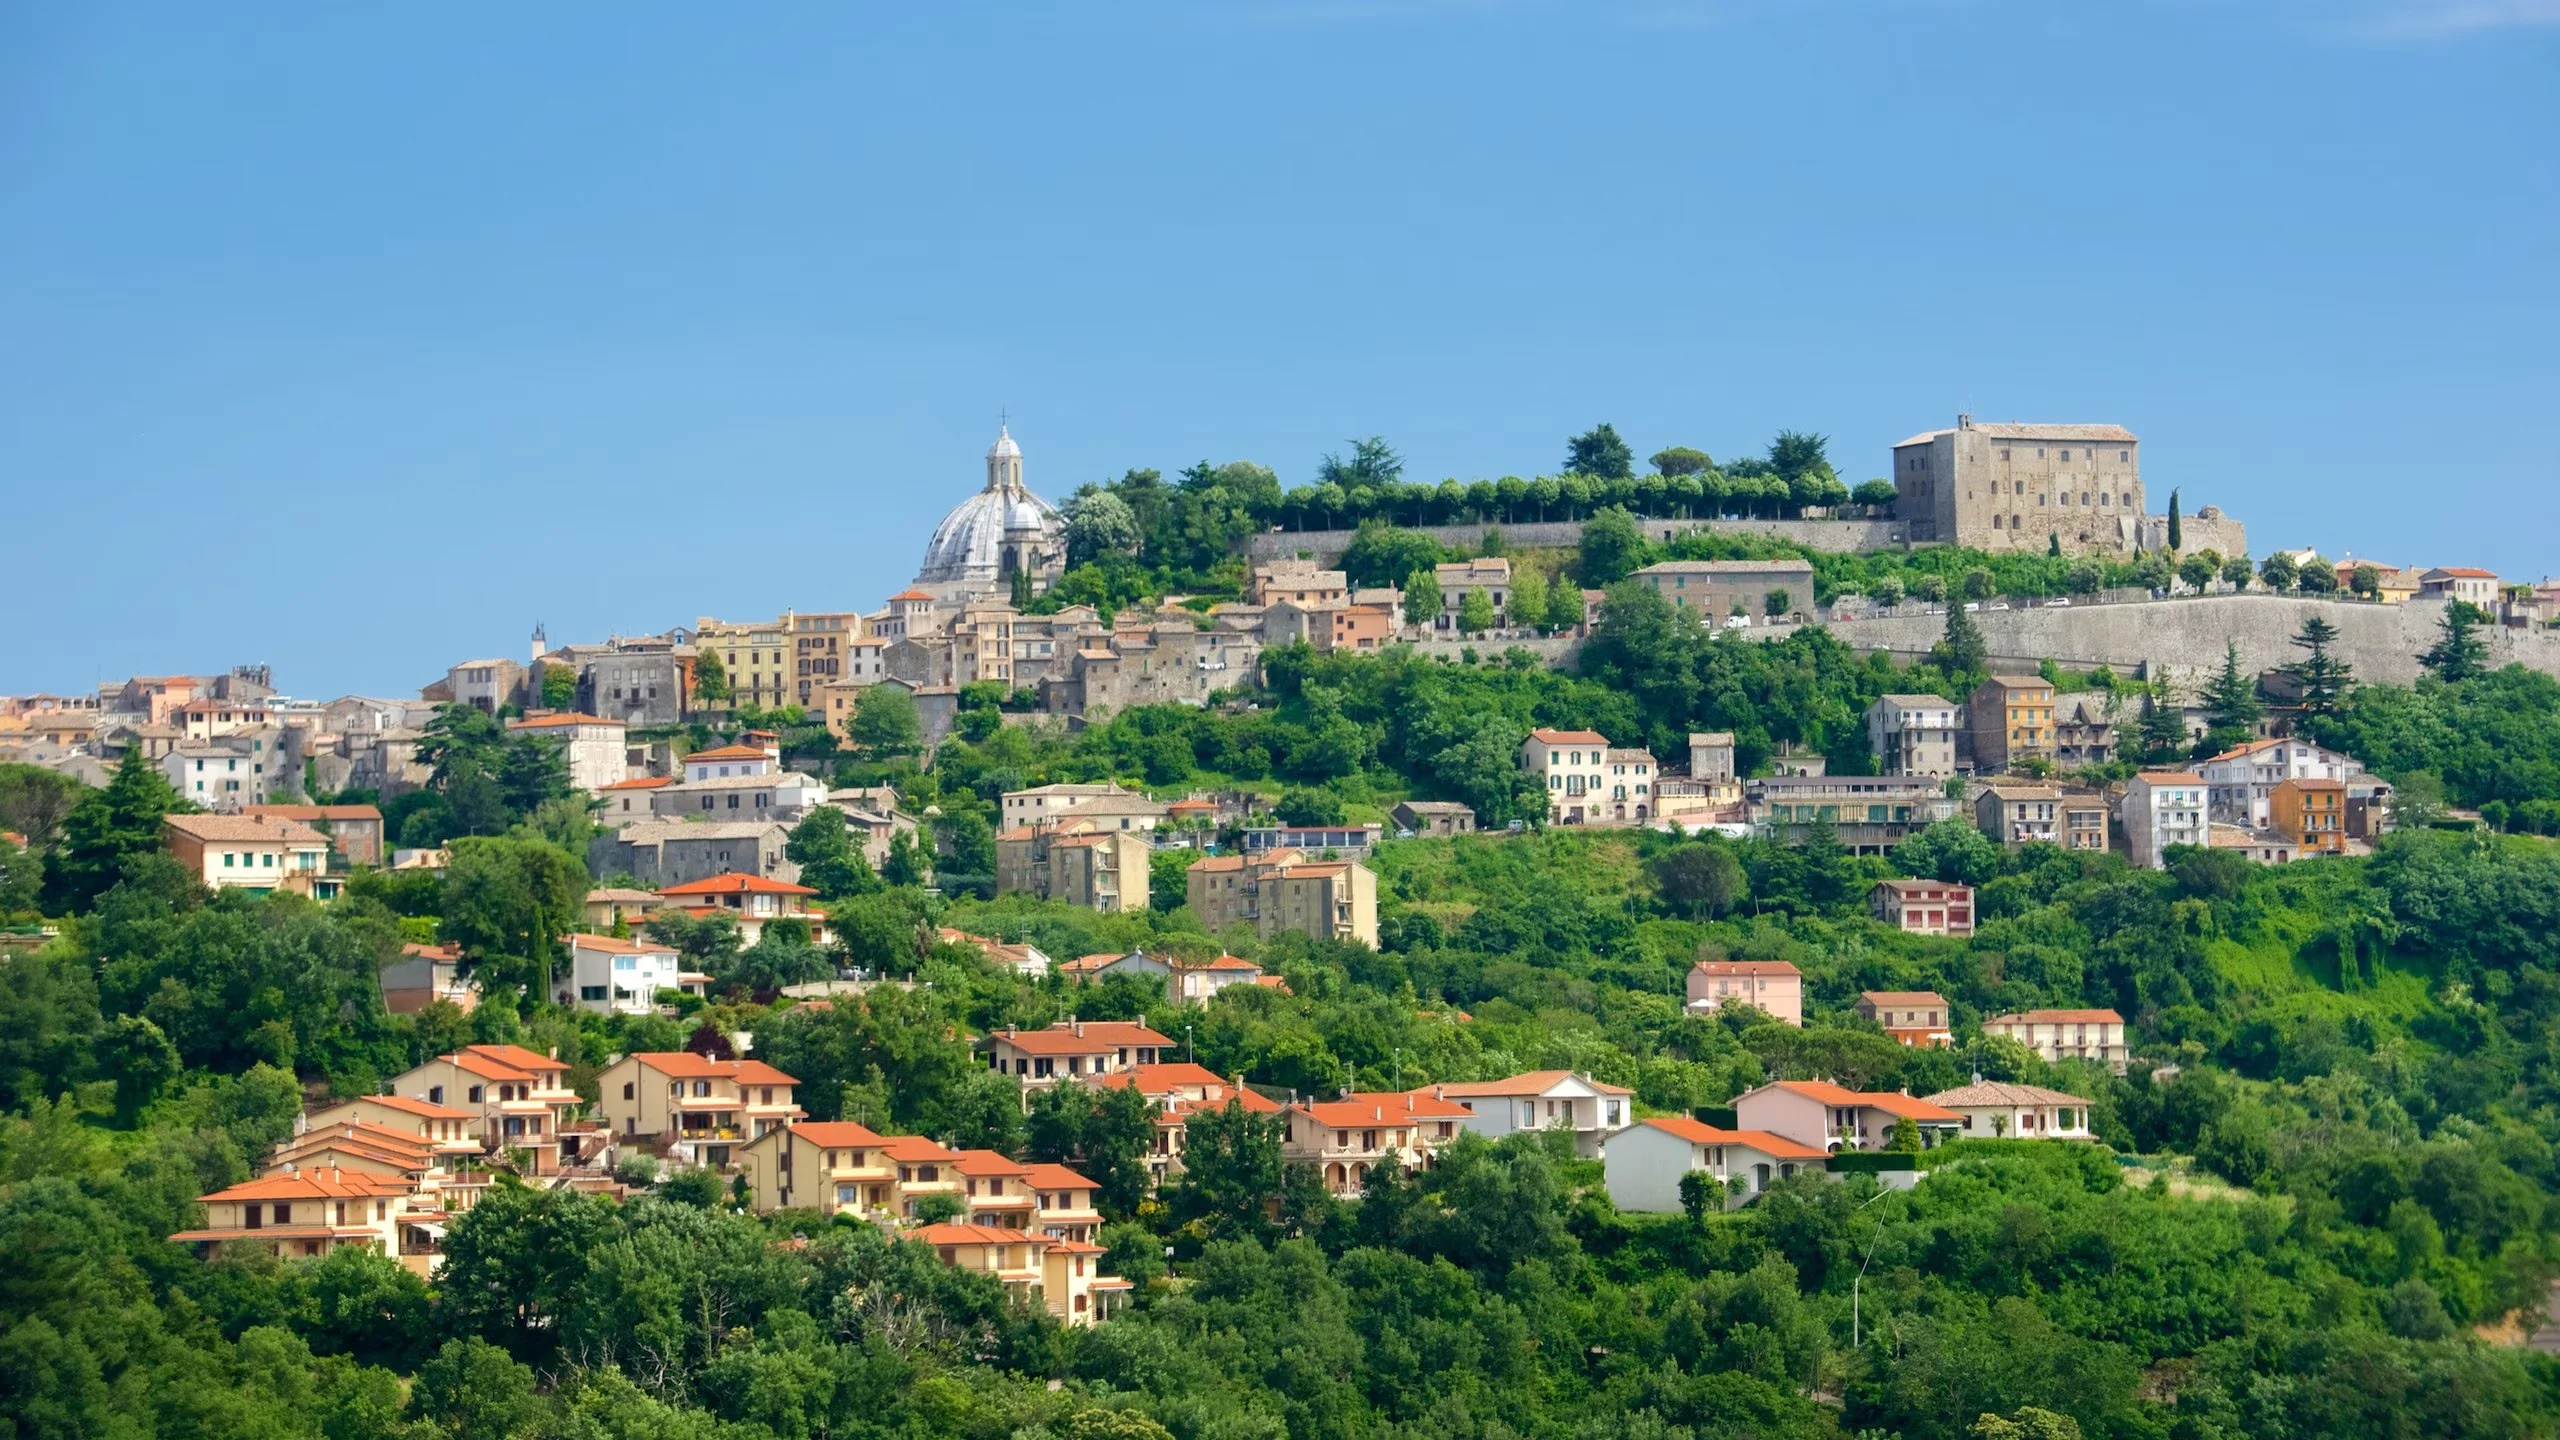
{"x": 356, "y": 339}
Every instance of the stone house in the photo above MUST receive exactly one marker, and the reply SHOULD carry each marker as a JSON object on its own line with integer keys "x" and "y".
{"x": 1715, "y": 589}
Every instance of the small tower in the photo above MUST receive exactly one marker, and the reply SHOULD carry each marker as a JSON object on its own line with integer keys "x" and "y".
{"x": 541, "y": 644}
{"x": 1004, "y": 462}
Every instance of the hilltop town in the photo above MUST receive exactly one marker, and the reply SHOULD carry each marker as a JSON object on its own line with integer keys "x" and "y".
{"x": 1196, "y": 864}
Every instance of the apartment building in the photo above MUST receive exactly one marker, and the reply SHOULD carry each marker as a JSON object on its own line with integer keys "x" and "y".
{"x": 832, "y": 1165}
{"x": 354, "y": 831}
{"x": 995, "y": 1189}
{"x": 2163, "y": 808}
{"x": 1063, "y": 1202}
{"x": 2009, "y": 719}
{"x": 1923, "y": 907}
{"x": 675, "y": 1096}
{"x": 1492, "y": 575}
{"x": 2018, "y": 815}
{"x": 1868, "y": 814}
{"x": 2057, "y": 1035}
{"x": 756, "y": 656}
{"x": 523, "y": 1098}
{"x": 1342, "y": 1140}
{"x": 1590, "y": 1110}
{"x": 1643, "y": 1165}
{"x": 1113, "y": 807}
{"x": 1773, "y": 987}
{"x": 2240, "y": 783}
{"x": 1299, "y": 582}
{"x": 1285, "y": 891}
{"x": 1914, "y": 734}
{"x": 449, "y": 1131}
{"x": 2311, "y": 814}
{"x": 1075, "y": 862}
{"x": 663, "y": 852}
{"x": 1919, "y": 1019}
{"x": 923, "y": 1168}
{"x": 1186, "y": 981}
{"x": 1574, "y": 767}
{"x": 1178, "y": 1090}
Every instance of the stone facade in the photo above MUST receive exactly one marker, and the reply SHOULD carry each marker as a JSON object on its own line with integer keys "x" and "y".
{"x": 2012, "y": 486}
{"x": 1846, "y": 536}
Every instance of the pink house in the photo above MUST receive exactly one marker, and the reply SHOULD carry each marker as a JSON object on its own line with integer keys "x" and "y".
{"x": 1826, "y": 1116}
{"x": 1771, "y": 985}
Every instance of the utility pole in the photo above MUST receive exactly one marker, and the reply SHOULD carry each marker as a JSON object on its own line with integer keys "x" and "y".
{"x": 1856, "y": 1331}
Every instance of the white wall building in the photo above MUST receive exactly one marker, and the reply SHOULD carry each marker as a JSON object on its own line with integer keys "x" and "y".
{"x": 593, "y": 746}
{"x": 1592, "y": 1110}
{"x": 1995, "y": 1110}
{"x": 1914, "y": 734}
{"x": 1643, "y": 1163}
{"x": 616, "y": 977}
{"x": 2162, "y": 808}
{"x": 1574, "y": 766}
{"x": 2239, "y": 783}
{"x": 729, "y": 760}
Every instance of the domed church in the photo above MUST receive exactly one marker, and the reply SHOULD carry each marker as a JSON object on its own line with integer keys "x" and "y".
{"x": 1001, "y": 531}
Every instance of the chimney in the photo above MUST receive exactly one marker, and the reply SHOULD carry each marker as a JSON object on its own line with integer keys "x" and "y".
{"x": 1964, "y": 422}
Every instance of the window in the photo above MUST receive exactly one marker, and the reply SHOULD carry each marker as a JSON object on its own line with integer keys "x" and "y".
{"x": 627, "y": 1088}
{"x": 474, "y": 1094}
{"x": 2066, "y": 454}
{"x": 591, "y": 992}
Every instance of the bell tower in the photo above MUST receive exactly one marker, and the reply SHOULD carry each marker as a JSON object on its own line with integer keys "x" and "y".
{"x": 1004, "y": 462}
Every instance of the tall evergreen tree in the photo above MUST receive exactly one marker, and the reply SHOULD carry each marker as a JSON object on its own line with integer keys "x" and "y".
{"x": 1962, "y": 651}
{"x": 2177, "y": 531}
{"x": 2231, "y": 705}
{"x": 106, "y": 831}
{"x": 1598, "y": 452}
{"x": 2458, "y": 654}
{"x": 2322, "y": 678}
{"x": 2163, "y": 731}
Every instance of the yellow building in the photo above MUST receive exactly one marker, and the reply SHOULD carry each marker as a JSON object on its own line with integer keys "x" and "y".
{"x": 1285, "y": 891}
{"x": 756, "y": 656}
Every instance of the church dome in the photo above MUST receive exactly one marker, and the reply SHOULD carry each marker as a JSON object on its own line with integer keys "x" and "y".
{"x": 1003, "y": 522}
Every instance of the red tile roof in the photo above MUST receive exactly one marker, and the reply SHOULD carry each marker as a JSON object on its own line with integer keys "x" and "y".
{"x": 561, "y": 721}
{"x": 838, "y": 1134}
{"x": 986, "y": 1162}
{"x": 917, "y": 1150}
{"x": 687, "y": 1065}
{"x": 1569, "y": 737}
{"x": 1700, "y": 1133}
{"x": 1389, "y": 1107}
{"x": 645, "y": 782}
{"x": 1887, "y": 1101}
{"x": 940, "y": 1235}
{"x": 410, "y": 1106}
{"x": 1056, "y": 1177}
{"x": 736, "y": 883}
{"x": 728, "y": 752}
{"x": 315, "y": 1184}
{"x": 1746, "y": 967}
{"x": 1096, "y": 1037}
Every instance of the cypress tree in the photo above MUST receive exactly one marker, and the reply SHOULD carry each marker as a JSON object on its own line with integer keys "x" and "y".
{"x": 2177, "y": 532}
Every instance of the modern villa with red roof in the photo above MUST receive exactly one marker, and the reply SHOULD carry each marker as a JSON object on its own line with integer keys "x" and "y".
{"x": 751, "y": 900}
{"x": 1823, "y": 1116}
{"x": 1073, "y": 1049}
{"x": 1644, "y": 1163}
{"x": 522, "y": 1098}
{"x": 1591, "y": 1110}
{"x": 1344, "y": 1138}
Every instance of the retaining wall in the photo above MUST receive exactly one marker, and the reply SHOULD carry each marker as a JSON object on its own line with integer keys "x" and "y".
{"x": 2183, "y": 638}
{"x": 1843, "y": 535}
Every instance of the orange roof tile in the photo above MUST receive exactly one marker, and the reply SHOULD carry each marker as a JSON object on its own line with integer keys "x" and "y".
{"x": 1388, "y": 1107}
{"x": 986, "y": 1162}
{"x": 917, "y": 1150}
{"x": 728, "y": 752}
{"x": 839, "y": 1134}
{"x": 561, "y": 721}
{"x": 1568, "y": 737}
{"x": 1745, "y": 967}
{"x": 1700, "y": 1133}
{"x": 736, "y": 883}
{"x": 645, "y": 782}
{"x": 687, "y": 1065}
{"x": 948, "y": 1234}
{"x": 1045, "y": 1176}
{"x": 404, "y": 1103}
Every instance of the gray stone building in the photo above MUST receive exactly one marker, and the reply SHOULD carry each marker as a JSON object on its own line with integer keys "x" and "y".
{"x": 1914, "y": 734}
{"x": 660, "y": 853}
{"x": 639, "y": 681}
{"x": 2003, "y": 486}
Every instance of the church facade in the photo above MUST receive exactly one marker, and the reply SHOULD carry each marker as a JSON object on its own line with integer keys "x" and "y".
{"x": 1002, "y": 531}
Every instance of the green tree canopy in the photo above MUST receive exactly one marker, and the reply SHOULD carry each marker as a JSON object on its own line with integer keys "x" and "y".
{"x": 1598, "y": 452}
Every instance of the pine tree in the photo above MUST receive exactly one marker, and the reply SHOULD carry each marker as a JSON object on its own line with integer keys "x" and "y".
{"x": 106, "y": 831}
{"x": 2163, "y": 732}
{"x": 1962, "y": 652}
{"x": 2322, "y": 678}
{"x": 2458, "y": 654}
{"x": 2231, "y": 703}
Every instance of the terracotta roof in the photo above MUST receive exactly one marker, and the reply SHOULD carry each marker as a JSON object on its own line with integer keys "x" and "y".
{"x": 607, "y": 944}
{"x": 729, "y": 752}
{"x": 408, "y": 1105}
{"x": 311, "y": 812}
{"x": 1569, "y": 737}
{"x": 517, "y": 1056}
{"x": 447, "y": 953}
{"x": 1994, "y": 1092}
{"x": 917, "y": 1150}
{"x": 1746, "y": 967}
{"x": 986, "y": 1162}
{"x": 1098, "y": 1036}
{"x": 736, "y": 883}
{"x": 687, "y": 1065}
{"x": 1904, "y": 998}
{"x": 1907, "y": 887}
{"x": 645, "y": 782}
{"x": 2169, "y": 777}
{"x": 1532, "y": 1082}
{"x": 1215, "y": 865}
{"x": 2058, "y": 1017}
{"x": 912, "y": 593}
{"x": 1164, "y": 1078}
{"x": 1388, "y": 1107}
{"x": 621, "y": 896}
{"x": 2464, "y": 572}
{"x": 562, "y": 721}
{"x": 1056, "y": 1177}
{"x": 1698, "y": 1132}
{"x": 243, "y": 829}
{"x": 330, "y": 1184}
{"x": 1885, "y": 1100}
{"x": 939, "y": 1235}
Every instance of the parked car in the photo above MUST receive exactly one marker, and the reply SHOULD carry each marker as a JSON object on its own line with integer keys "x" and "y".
{"x": 1737, "y": 622}
{"x": 1971, "y": 606}
{"x": 2062, "y": 600}
{"x": 1998, "y": 605}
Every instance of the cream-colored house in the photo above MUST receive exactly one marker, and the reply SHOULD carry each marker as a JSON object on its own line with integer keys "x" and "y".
{"x": 1343, "y": 1139}
{"x": 523, "y": 1099}
{"x": 2059, "y": 1035}
{"x": 453, "y": 1132}
{"x": 996, "y": 1189}
{"x": 1064, "y": 1202}
{"x": 1573, "y": 765}
{"x": 923, "y": 1168}
{"x": 1917, "y": 1018}
{"x": 831, "y": 1165}
{"x": 234, "y": 852}
{"x": 1994, "y": 1109}
{"x": 1064, "y": 1275}
{"x": 1179, "y": 1090}
{"x": 311, "y": 1213}
{"x": 754, "y": 901}
{"x": 673, "y": 1096}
